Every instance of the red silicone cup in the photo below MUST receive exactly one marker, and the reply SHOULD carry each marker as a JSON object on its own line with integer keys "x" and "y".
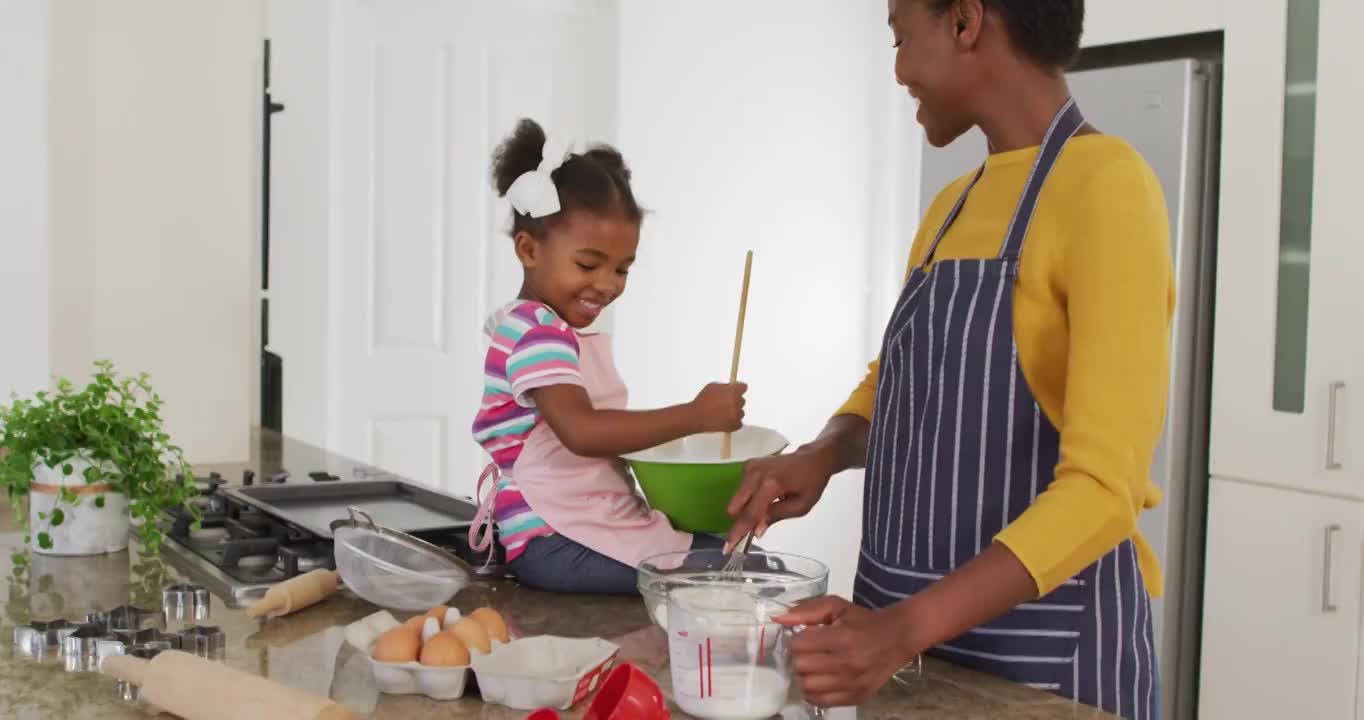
{"x": 628, "y": 694}
{"x": 544, "y": 714}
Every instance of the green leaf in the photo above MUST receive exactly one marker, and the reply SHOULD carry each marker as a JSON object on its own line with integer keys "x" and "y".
{"x": 42, "y": 516}
{"x": 67, "y": 469}
{"x": 99, "y": 501}
{"x": 44, "y": 541}
{"x": 58, "y": 517}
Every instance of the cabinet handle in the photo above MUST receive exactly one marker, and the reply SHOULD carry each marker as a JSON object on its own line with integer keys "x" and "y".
{"x": 1333, "y": 405}
{"x": 1326, "y": 605}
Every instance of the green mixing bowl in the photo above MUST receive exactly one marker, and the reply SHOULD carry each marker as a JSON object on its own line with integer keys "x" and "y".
{"x": 689, "y": 482}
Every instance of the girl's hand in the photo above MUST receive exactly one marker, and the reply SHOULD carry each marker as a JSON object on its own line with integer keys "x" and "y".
{"x": 846, "y": 653}
{"x": 719, "y": 407}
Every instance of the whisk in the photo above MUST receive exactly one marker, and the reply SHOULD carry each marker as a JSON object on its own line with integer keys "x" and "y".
{"x": 734, "y": 566}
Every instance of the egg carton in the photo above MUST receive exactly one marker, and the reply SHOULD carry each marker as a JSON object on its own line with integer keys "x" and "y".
{"x": 544, "y": 671}
{"x": 408, "y": 678}
{"x": 523, "y": 674}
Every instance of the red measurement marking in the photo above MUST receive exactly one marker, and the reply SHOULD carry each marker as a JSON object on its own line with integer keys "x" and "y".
{"x": 762, "y": 642}
{"x": 700, "y": 669}
{"x": 710, "y": 679}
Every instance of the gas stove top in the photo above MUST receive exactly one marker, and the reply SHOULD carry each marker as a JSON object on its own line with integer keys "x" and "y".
{"x": 241, "y": 549}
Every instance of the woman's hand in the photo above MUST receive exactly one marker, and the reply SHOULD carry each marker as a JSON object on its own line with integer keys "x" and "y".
{"x": 719, "y": 407}
{"x": 846, "y": 653}
{"x": 777, "y": 488}
{"x": 786, "y": 486}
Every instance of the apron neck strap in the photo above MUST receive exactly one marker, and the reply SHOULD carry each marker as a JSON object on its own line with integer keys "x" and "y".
{"x": 1067, "y": 121}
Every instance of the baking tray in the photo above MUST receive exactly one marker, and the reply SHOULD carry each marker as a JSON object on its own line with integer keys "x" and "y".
{"x": 394, "y": 504}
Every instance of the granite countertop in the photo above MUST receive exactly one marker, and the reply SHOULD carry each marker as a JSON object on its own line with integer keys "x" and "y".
{"x": 307, "y": 650}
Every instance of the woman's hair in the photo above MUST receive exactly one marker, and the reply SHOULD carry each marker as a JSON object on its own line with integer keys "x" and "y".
{"x": 597, "y": 180}
{"x": 1047, "y": 31}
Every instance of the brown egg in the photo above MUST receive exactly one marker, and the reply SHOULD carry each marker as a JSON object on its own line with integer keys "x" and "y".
{"x": 438, "y": 612}
{"x": 398, "y": 645}
{"x": 415, "y": 624}
{"x": 492, "y": 621}
{"x": 445, "y": 650}
{"x": 471, "y": 633}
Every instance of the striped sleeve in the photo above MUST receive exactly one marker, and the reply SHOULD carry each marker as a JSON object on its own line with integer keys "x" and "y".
{"x": 544, "y": 351}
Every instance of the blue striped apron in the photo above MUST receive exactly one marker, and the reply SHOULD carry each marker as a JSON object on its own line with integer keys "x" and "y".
{"x": 959, "y": 448}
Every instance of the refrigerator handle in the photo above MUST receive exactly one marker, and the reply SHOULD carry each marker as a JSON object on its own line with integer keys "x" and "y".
{"x": 1332, "y": 409}
{"x": 1326, "y": 605}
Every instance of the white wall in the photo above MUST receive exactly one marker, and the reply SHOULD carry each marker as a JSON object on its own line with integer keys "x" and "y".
{"x": 155, "y": 108}
{"x": 71, "y": 125}
{"x": 23, "y": 196}
{"x": 1111, "y": 21}
{"x": 301, "y": 207}
{"x": 755, "y": 125}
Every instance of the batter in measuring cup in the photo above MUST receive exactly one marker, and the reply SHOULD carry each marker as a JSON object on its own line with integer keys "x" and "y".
{"x": 729, "y": 660}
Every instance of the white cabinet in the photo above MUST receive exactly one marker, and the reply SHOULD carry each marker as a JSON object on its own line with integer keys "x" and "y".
{"x": 1281, "y": 620}
{"x": 1287, "y": 375}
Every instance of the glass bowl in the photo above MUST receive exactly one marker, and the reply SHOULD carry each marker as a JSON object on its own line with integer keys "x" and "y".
{"x": 780, "y": 577}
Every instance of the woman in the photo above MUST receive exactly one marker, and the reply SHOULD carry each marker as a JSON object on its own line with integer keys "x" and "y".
{"x": 1008, "y": 427}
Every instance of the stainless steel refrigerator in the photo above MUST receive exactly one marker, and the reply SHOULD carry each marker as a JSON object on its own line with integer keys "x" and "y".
{"x": 1168, "y": 111}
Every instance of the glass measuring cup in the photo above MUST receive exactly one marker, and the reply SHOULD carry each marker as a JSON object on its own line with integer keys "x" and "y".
{"x": 729, "y": 660}
{"x": 779, "y": 576}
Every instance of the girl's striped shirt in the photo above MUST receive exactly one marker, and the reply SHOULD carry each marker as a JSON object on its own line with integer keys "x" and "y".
{"x": 529, "y": 347}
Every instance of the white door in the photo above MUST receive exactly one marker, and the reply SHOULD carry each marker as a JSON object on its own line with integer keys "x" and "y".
{"x": 1281, "y": 604}
{"x": 1287, "y": 365}
{"x": 1339, "y": 105}
{"x": 1337, "y": 253}
{"x": 424, "y": 91}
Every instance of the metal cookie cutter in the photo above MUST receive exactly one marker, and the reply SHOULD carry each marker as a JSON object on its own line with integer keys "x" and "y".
{"x": 204, "y": 641}
{"x": 127, "y": 691}
{"x": 126, "y": 618}
{"x": 83, "y": 649}
{"x": 151, "y": 638}
{"x": 40, "y": 639}
{"x": 185, "y": 603}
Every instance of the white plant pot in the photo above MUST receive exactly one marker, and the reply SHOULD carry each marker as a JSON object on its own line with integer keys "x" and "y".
{"x": 85, "y": 529}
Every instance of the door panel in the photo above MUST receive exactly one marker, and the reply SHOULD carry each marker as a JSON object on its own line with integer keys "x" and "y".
{"x": 1281, "y": 601}
{"x": 424, "y": 92}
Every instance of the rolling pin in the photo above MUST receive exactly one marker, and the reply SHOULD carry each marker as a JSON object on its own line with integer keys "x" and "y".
{"x": 295, "y": 594}
{"x": 198, "y": 689}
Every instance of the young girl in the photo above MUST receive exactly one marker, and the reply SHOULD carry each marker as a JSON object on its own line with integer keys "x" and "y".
{"x": 553, "y": 414}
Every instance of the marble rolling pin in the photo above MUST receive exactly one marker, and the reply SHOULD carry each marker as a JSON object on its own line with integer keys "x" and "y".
{"x": 199, "y": 689}
{"x": 295, "y": 594}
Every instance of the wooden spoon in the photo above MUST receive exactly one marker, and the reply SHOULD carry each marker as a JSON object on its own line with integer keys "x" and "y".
{"x": 728, "y": 448}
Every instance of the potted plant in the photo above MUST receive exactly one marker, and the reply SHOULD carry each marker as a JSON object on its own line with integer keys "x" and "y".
{"x": 90, "y": 464}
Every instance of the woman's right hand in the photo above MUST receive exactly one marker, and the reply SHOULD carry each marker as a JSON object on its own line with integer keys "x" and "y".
{"x": 778, "y": 488}
{"x": 719, "y": 407}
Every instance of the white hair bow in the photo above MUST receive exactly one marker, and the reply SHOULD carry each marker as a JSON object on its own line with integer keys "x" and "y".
{"x": 534, "y": 192}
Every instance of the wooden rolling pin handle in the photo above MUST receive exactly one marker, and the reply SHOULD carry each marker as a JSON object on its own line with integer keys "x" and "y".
{"x": 199, "y": 689}
{"x": 295, "y": 594}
